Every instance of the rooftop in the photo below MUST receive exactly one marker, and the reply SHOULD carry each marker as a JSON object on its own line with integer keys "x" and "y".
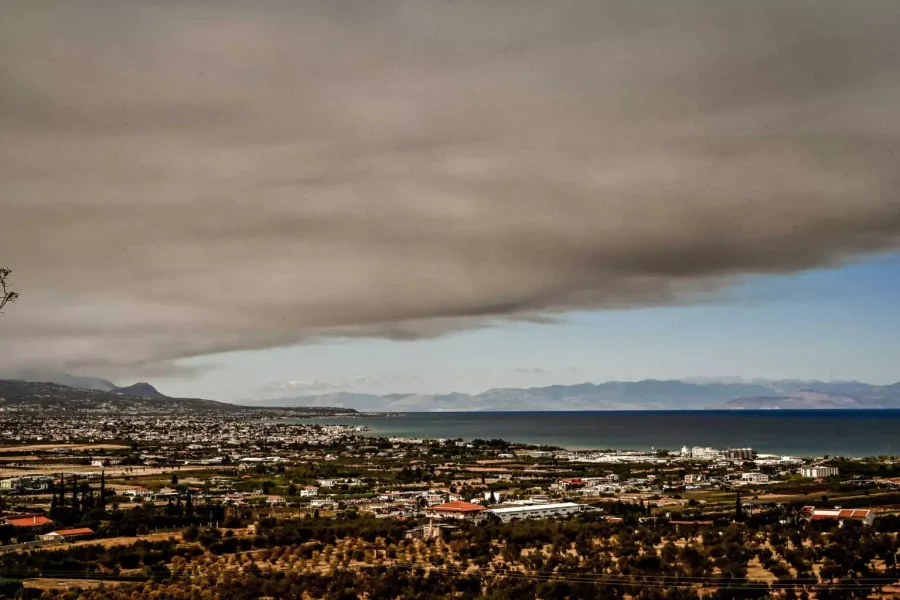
{"x": 455, "y": 506}
{"x": 32, "y": 521}
{"x": 535, "y": 507}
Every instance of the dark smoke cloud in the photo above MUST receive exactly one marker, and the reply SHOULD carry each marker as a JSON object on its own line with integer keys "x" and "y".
{"x": 187, "y": 178}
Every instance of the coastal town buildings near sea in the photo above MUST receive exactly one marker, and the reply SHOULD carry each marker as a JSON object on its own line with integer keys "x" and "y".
{"x": 204, "y": 488}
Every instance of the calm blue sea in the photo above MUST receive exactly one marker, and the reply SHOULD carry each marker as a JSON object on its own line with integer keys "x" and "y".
{"x": 852, "y": 433}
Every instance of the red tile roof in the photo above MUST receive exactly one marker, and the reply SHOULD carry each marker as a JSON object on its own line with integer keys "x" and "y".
{"x": 33, "y": 521}
{"x": 456, "y": 506}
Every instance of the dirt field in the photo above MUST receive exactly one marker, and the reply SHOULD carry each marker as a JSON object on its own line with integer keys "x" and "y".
{"x": 66, "y": 584}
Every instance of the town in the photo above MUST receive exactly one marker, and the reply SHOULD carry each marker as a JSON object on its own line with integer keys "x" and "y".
{"x": 179, "y": 479}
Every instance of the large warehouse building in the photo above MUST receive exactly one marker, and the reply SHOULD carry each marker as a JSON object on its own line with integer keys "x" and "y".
{"x": 537, "y": 511}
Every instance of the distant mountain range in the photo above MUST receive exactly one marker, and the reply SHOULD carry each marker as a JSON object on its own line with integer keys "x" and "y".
{"x": 651, "y": 394}
{"x": 615, "y": 395}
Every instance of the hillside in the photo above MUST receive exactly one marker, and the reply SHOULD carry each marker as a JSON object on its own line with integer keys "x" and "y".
{"x": 863, "y": 398}
{"x": 801, "y": 400}
{"x": 61, "y": 378}
{"x": 28, "y": 396}
{"x": 23, "y": 395}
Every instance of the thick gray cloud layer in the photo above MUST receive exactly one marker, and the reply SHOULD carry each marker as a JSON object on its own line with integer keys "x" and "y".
{"x": 193, "y": 177}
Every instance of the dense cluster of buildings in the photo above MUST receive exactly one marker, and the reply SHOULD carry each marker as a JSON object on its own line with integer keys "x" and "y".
{"x": 254, "y": 464}
{"x": 189, "y": 430}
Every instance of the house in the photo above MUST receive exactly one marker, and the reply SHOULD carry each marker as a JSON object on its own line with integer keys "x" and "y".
{"x": 568, "y": 484}
{"x": 430, "y": 531}
{"x": 691, "y": 525}
{"x": 67, "y": 534}
{"x": 755, "y": 477}
{"x": 309, "y": 491}
{"x": 435, "y": 499}
{"x": 865, "y": 516}
{"x": 166, "y": 494}
{"x": 136, "y": 492}
{"x": 456, "y": 510}
{"x": 348, "y": 481}
{"x": 30, "y": 521}
{"x": 276, "y": 501}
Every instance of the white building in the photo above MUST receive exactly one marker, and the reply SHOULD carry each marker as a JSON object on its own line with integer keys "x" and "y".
{"x": 309, "y": 491}
{"x": 705, "y": 453}
{"x": 534, "y": 453}
{"x": 817, "y": 472}
{"x": 27, "y": 482}
{"x": 755, "y": 477}
{"x": 537, "y": 511}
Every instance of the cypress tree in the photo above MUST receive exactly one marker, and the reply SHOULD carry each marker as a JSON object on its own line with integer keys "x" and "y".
{"x": 738, "y": 510}
{"x": 103, "y": 490}
{"x": 76, "y": 505}
{"x": 62, "y": 490}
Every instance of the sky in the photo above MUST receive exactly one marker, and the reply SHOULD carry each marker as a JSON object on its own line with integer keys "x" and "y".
{"x": 245, "y": 200}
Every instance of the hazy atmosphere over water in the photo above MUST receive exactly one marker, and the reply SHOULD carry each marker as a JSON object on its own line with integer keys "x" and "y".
{"x": 246, "y": 200}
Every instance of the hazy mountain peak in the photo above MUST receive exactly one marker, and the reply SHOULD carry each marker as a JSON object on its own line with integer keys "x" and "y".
{"x": 142, "y": 388}
{"x": 61, "y": 378}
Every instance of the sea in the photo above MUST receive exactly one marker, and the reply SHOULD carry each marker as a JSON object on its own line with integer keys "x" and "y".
{"x": 849, "y": 433}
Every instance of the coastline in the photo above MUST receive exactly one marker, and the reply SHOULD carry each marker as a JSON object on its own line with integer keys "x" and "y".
{"x": 809, "y": 433}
